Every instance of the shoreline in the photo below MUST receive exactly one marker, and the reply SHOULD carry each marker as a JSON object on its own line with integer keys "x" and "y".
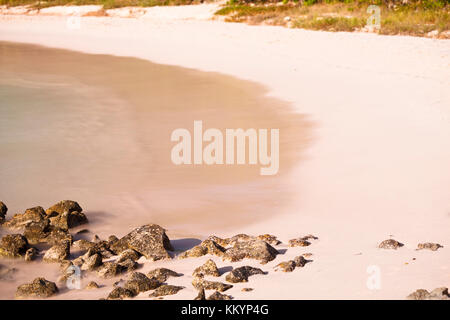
{"x": 378, "y": 165}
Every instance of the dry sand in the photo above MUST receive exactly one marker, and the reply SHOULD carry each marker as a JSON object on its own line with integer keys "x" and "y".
{"x": 379, "y": 162}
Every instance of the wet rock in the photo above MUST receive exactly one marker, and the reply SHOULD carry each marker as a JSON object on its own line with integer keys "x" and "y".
{"x": 3, "y": 211}
{"x": 149, "y": 240}
{"x": 20, "y": 220}
{"x": 39, "y": 288}
{"x": 289, "y": 266}
{"x": 162, "y": 274}
{"x": 67, "y": 220}
{"x": 206, "y": 247}
{"x": 109, "y": 270}
{"x": 56, "y": 236}
{"x": 139, "y": 282}
{"x": 200, "y": 283}
{"x": 83, "y": 244}
{"x": 7, "y": 274}
{"x": 92, "y": 285}
{"x": 219, "y": 296}
{"x": 429, "y": 246}
{"x": 92, "y": 262}
{"x": 390, "y": 244}
{"x": 128, "y": 265}
{"x": 62, "y": 207}
{"x": 200, "y": 295}
{"x": 13, "y": 246}
{"x": 439, "y": 294}
{"x": 31, "y": 254}
{"x": 119, "y": 293}
{"x": 270, "y": 239}
{"x": 128, "y": 254}
{"x": 36, "y": 231}
{"x": 241, "y": 274}
{"x": 209, "y": 268}
{"x": 246, "y": 289}
{"x": 253, "y": 249}
{"x": 58, "y": 252}
{"x": 165, "y": 290}
{"x": 298, "y": 243}
{"x": 219, "y": 241}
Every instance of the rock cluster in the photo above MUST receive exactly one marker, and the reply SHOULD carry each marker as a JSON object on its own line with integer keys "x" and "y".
{"x": 436, "y": 294}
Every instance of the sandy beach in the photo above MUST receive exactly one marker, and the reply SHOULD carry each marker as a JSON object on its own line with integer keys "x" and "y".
{"x": 376, "y": 165}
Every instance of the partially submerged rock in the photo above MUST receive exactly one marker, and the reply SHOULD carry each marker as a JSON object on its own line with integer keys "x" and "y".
{"x": 165, "y": 290}
{"x": 289, "y": 266}
{"x": 246, "y": 289}
{"x": 270, "y": 239}
{"x": 31, "y": 254}
{"x": 68, "y": 220}
{"x": 241, "y": 274}
{"x": 149, "y": 240}
{"x": 92, "y": 285}
{"x": 58, "y": 252}
{"x": 92, "y": 262}
{"x": 128, "y": 254}
{"x": 139, "y": 282}
{"x": 119, "y": 293}
{"x": 7, "y": 274}
{"x": 252, "y": 249}
{"x": 298, "y": 243}
{"x": 206, "y": 247}
{"x": 390, "y": 244}
{"x": 3, "y": 211}
{"x": 109, "y": 270}
{"x": 162, "y": 274}
{"x": 436, "y": 294}
{"x": 64, "y": 206}
{"x": 209, "y": 268}
{"x": 39, "y": 288}
{"x": 219, "y": 296}
{"x": 13, "y": 246}
{"x": 128, "y": 265}
{"x": 429, "y": 246}
{"x": 200, "y": 283}
{"x": 200, "y": 295}
{"x": 20, "y": 220}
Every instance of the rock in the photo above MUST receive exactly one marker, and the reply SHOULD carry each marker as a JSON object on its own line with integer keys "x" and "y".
{"x": 246, "y": 289}
{"x": 19, "y": 221}
{"x": 92, "y": 285}
{"x": 128, "y": 265}
{"x": 58, "y": 252}
{"x": 128, "y": 254}
{"x": 429, "y": 246}
{"x": 119, "y": 293}
{"x": 39, "y": 288}
{"x": 206, "y": 247}
{"x": 56, "y": 236}
{"x": 109, "y": 270}
{"x": 219, "y": 296}
{"x": 61, "y": 207}
{"x": 300, "y": 261}
{"x": 162, "y": 274}
{"x": 390, "y": 244}
{"x": 92, "y": 262}
{"x": 67, "y": 220}
{"x": 6, "y": 274}
{"x": 209, "y": 268}
{"x": 96, "y": 239}
{"x": 13, "y": 246}
{"x": 200, "y": 295}
{"x": 149, "y": 240}
{"x": 241, "y": 274}
{"x": 200, "y": 283}
{"x": 439, "y": 294}
{"x": 270, "y": 239}
{"x": 165, "y": 290}
{"x": 289, "y": 266}
{"x": 219, "y": 241}
{"x": 139, "y": 282}
{"x": 36, "y": 231}
{"x": 298, "y": 243}
{"x": 3, "y": 211}
{"x": 253, "y": 249}
{"x": 31, "y": 254}
{"x": 83, "y": 231}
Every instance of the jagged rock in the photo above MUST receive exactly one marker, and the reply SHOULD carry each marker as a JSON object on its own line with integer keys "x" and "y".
{"x": 56, "y": 236}
{"x": 20, "y": 220}
{"x": 13, "y": 246}
{"x": 128, "y": 265}
{"x": 207, "y": 246}
{"x": 92, "y": 285}
{"x": 390, "y": 244}
{"x": 298, "y": 243}
{"x": 39, "y": 288}
{"x": 36, "y": 231}
{"x": 241, "y": 274}
{"x": 429, "y": 246}
{"x": 209, "y": 268}
{"x": 253, "y": 249}
{"x": 246, "y": 289}
{"x": 219, "y": 241}
{"x": 200, "y": 283}
{"x": 149, "y": 240}
{"x": 139, "y": 282}
{"x": 92, "y": 262}
{"x": 67, "y": 220}
{"x": 436, "y": 294}
{"x": 200, "y": 295}
{"x": 128, "y": 254}
{"x": 118, "y": 293}
{"x": 165, "y": 290}
{"x": 3, "y": 211}
{"x": 289, "y": 266}
{"x": 62, "y": 207}
{"x": 58, "y": 252}
{"x": 219, "y": 296}
{"x": 109, "y": 270}
{"x": 270, "y": 239}
{"x": 162, "y": 274}
{"x": 31, "y": 254}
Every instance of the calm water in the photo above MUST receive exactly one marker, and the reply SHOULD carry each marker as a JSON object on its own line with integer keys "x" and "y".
{"x": 96, "y": 129}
